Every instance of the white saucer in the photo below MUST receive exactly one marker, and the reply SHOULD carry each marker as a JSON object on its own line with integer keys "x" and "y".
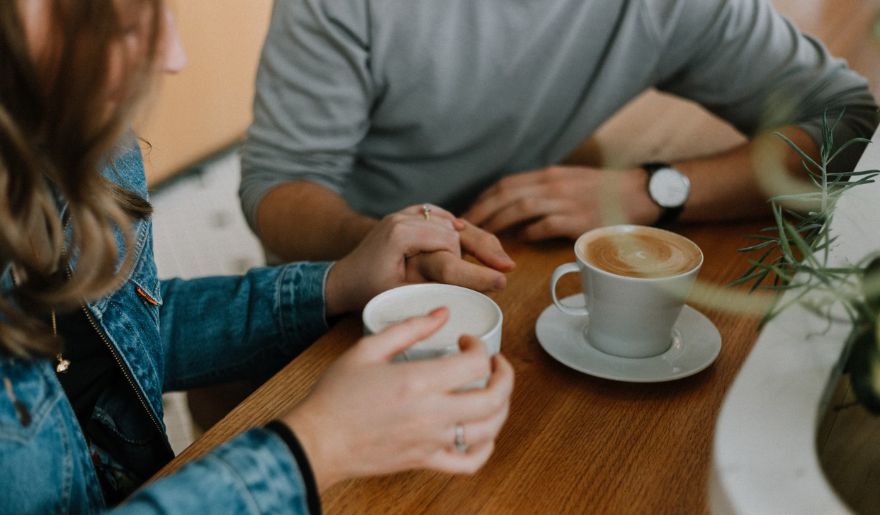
{"x": 696, "y": 345}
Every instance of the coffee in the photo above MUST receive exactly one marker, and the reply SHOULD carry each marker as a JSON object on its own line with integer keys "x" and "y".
{"x": 641, "y": 252}
{"x": 635, "y": 280}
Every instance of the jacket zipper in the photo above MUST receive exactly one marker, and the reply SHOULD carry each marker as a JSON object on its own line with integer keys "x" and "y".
{"x": 122, "y": 367}
{"x": 125, "y": 372}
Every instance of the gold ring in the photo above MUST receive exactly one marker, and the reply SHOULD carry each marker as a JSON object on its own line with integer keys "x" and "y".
{"x": 426, "y": 211}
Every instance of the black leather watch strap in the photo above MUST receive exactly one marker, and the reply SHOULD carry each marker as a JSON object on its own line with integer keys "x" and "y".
{"x": 668, "y": 215}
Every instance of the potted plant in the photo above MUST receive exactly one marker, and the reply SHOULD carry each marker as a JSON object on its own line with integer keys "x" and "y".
{"x": 793, "y": 255}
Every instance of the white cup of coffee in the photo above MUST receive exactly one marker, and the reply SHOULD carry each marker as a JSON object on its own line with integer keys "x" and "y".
{"x": 470, "y": 312}
{"x": 635, "y": 280}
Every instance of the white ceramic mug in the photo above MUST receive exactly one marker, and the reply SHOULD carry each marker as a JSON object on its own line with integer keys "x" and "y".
{"x": 470, "y": 312}
{"x": 631, "y": 317}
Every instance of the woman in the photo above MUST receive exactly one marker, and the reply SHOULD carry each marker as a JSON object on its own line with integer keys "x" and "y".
{"x": 90, "y": 338}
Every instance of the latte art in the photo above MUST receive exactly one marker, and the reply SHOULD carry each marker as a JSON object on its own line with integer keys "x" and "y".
{"x": 644, "y": 252}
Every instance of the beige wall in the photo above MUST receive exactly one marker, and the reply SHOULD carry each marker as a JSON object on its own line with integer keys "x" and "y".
{"x": 208, "y": 105}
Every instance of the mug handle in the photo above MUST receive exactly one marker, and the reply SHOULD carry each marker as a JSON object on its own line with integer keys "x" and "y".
{"x": 568, "y": 268}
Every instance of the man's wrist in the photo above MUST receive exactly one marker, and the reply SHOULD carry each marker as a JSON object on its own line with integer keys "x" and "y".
{"x": 354, "y": 228}
{"x": 640, "y": 209}
{"x": 300, "y": 221}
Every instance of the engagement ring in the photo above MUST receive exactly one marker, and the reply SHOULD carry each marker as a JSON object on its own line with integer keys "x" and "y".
{"x": 460, "y": 444}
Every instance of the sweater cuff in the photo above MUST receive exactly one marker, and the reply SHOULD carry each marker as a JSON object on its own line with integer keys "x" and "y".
{"x": 313, "y": 497}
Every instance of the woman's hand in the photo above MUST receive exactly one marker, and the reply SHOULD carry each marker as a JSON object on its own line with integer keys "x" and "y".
{"x": 368, "y": 416}
{"x": 407, "y": 247}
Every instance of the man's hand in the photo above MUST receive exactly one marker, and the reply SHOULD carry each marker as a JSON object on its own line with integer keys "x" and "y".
{"x": 449, "y": 268}
{"x": 561, "y": 201}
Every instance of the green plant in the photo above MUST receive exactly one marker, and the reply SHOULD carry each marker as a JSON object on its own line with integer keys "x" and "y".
{"x": 794, "y": 256}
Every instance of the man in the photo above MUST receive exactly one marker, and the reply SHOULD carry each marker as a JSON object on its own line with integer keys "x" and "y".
{"x": 365, "y": 106}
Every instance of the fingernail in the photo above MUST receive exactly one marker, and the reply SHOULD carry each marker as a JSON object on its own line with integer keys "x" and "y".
{"x": 500, "y": 283}
{"x": 438, "y": 313}
{"x": 459, "y": 224}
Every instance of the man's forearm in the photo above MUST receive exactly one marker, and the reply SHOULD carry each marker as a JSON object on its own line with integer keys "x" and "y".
{"x": 304, "y": 221}
{"x": 729, "y": 185}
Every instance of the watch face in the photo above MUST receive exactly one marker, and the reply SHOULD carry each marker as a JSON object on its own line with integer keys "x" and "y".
{"x": 669, "y": 188}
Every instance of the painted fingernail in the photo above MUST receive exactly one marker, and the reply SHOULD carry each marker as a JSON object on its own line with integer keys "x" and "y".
{"x": 438, "y": 313}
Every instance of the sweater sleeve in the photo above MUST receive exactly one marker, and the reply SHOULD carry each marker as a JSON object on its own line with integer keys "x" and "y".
{"x": 746, "y": 63}
{"x": 313, "y": 95}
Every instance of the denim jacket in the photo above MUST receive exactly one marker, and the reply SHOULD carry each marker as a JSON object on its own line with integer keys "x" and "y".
{"x": 165, "y": 335}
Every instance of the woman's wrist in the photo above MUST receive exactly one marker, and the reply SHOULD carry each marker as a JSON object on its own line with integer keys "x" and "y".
{"x": 314, "y": 444}
{"x": 313, "y": 496}
{"x": 337, "y": 298}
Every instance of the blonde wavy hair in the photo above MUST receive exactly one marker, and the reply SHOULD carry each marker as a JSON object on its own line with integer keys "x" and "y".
{"x": 56, "y": 133}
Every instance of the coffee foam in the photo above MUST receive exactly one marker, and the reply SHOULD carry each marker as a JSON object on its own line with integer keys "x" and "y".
{"x": 642, "y": 252}
{"x": 468, "y": 314}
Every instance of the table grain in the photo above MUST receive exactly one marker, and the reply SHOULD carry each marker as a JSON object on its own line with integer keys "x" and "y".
{"x": 573, "y": 443}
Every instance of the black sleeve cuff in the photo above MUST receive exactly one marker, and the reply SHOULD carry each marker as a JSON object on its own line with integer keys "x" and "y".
{"x": 313, "y": 498}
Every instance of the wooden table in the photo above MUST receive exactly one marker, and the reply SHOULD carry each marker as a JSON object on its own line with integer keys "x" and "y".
{"x": 573, "y": 443}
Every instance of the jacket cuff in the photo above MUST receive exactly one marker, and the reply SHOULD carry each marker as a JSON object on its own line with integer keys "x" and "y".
{"x": 301, "y": 301}
{"x": 264, "y": 472}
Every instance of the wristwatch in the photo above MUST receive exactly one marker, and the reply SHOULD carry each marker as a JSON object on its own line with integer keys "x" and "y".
{"x": 669, "y": 189}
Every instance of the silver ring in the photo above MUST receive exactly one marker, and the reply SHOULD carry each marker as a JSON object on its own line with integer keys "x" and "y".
{"x": 460, "y": 445}
{"x": 426, "y": 211}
